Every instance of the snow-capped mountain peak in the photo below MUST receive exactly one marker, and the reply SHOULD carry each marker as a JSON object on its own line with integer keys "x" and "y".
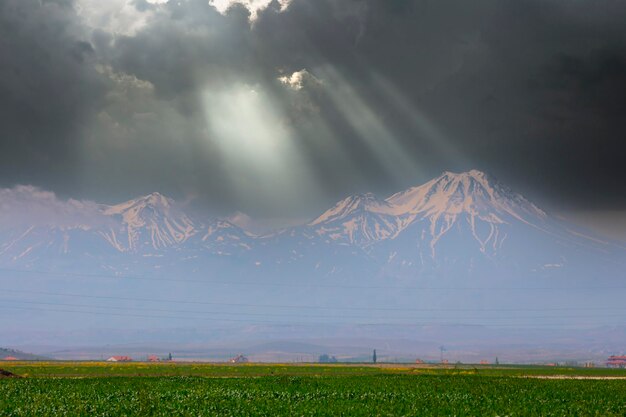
{"x": 358, "y": 219}
{"x": 152, "y": 221}
{"x": 155, "y": 201}
{"x": 355, "y": 203}
{"x": 473, "y": 192}
{"x": 470, "y": 199}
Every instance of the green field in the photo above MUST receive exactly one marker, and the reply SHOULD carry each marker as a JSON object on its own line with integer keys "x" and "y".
{"x": 99, "y": 389}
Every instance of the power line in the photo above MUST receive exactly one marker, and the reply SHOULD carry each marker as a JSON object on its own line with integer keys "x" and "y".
{"x": 291, "y": 315}
{"x": 187, "y": 311}
{"x": 129, "y": 315}
{"x": 313, "y": 285}
{"x": 460, "y": 324}
{"x": 292, "y": 306}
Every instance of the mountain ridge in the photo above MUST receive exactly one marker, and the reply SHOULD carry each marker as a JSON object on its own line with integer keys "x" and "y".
{"x": 458, "y": 219}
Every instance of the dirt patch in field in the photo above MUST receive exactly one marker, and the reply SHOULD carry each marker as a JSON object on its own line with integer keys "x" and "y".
{"x": 7, "y": 374}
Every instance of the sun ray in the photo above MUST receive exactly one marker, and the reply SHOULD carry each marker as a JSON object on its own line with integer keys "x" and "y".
{"x": 419, "y": 122}
{"x": 369, "y": 126}
{"x": 257, "y": 146}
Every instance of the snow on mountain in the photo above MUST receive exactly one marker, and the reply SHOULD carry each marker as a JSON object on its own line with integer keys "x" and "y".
{"x": 40, "y": 230}
{"x": 356, "y": 203}
{"x": 37, "y": 226}
{"x": 474, "y": 198}
{"x": 461, "y": 219}
{"x": 225, "y": 238}
{"x": 472, "y": 192}
{"x": 468, "y": 220}
{"x": 149, "y": 222}
{"x": 358, "y": 219}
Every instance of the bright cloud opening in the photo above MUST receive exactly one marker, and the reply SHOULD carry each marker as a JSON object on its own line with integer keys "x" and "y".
{"x": 115, "y": 16}
{"x": 258, "y": 149}
{"x": 254, "y": 6}
{"x": 297, "y": 80}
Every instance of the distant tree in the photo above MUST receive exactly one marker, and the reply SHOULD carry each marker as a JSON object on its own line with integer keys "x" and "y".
{"x": 374, "y": 356}
{"x": 169, "y": 357}
{"x": 497, "y": 361}
{"x": 325, "y": 358}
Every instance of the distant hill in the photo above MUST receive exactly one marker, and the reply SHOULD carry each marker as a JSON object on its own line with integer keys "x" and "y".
{"x": 4, "y": 353}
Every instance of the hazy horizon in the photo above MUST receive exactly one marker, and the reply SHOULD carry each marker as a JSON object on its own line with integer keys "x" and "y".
{"x": 210, "y": 174}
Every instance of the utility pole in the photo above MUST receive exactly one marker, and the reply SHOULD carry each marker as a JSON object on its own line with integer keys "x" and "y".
{"x": 441, "y": 350}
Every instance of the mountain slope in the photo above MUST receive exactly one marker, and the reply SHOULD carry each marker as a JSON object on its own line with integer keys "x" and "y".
{"x": 359, "y": 220}
{"x": 152, "y": 222}
{"x": 458, "y": 224}
{"x": 470, "y": 200}
{"x": 470, "y": 218}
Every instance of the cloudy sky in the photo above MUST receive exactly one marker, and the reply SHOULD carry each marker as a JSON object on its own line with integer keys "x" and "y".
{"x": 279, "y": 108}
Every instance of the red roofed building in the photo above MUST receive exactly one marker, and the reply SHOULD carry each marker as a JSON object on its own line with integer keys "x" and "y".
{"x": 10, "y": 358}
{"x": 120, "y": 359}
{"x": 616, "y": 361}
{"x": 153, "y": 358}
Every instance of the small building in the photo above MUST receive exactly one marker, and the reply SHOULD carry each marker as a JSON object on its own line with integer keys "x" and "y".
{"x": 10, "y": 358}
{"x": 239, "y": 359}
{"x": 120, "y": 359}
{"x": 616, "y": 361}
{"x": 154, "y": 358}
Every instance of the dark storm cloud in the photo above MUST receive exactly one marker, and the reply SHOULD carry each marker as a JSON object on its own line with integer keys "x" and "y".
{"x": 541, "y": 100}
{"x": 530, "y": 90}
{"x": 48, "y": 90}
{"x": 187, "y": 45}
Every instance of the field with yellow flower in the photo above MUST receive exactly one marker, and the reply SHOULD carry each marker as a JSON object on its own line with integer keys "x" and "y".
{"x": 195, "y": 389}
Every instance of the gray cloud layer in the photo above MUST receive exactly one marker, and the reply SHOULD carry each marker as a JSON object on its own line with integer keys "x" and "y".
{"x": 394, "y": 92}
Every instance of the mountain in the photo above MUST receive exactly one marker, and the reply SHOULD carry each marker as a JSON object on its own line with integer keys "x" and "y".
{"x": 459, "y": 259}
{"x": 470, "y": 218}
{"x": 146, "y": 232}
{"x": 152, "y": 222}
{"x": 358, "y": 220}
{"x": 458, "y": 224}
{"x": 472, "y": 192}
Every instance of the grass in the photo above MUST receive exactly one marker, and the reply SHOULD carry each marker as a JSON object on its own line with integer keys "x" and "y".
{"x": 103, "y": 389}
{"x": 108, "y": 369}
